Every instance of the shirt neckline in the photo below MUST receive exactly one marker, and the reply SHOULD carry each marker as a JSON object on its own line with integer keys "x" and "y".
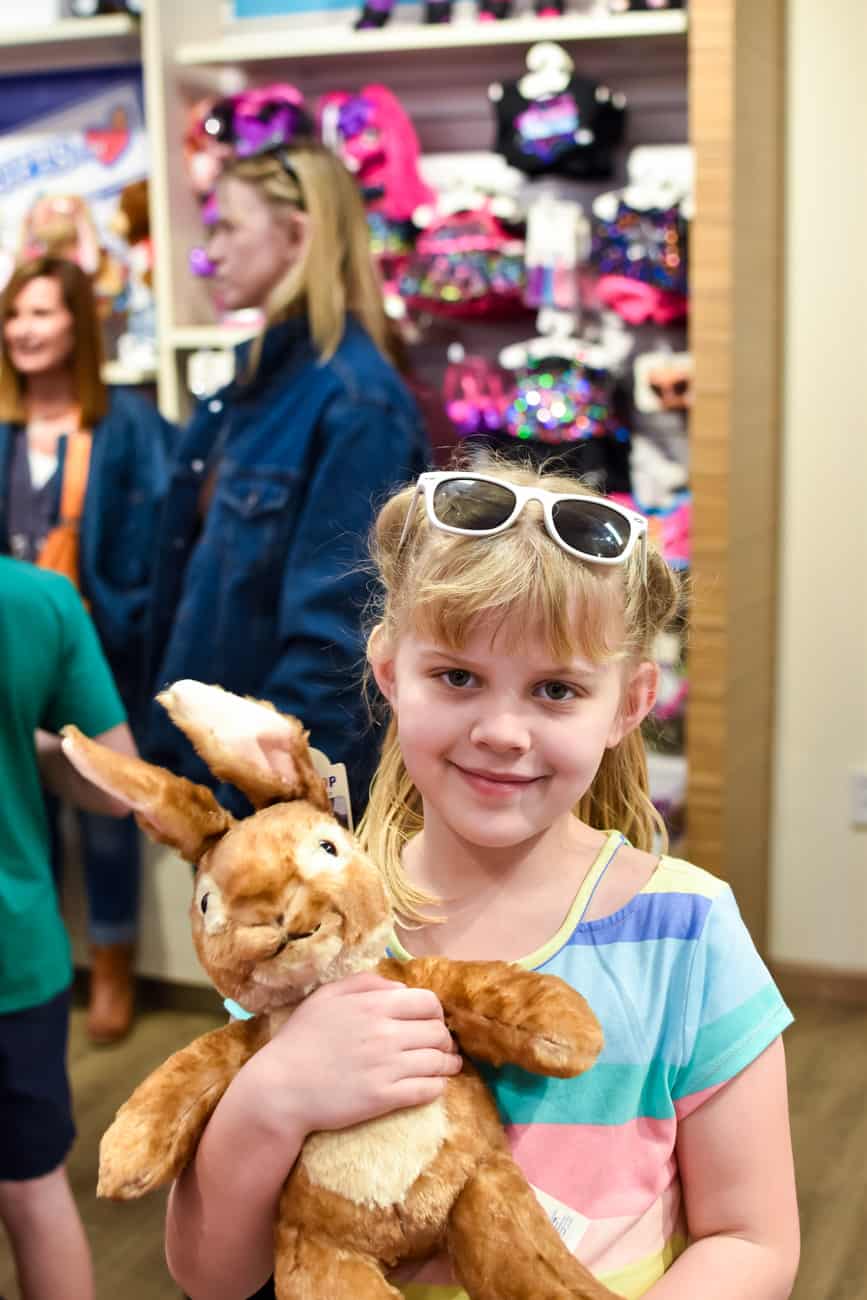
{"x": 572, "y": 919}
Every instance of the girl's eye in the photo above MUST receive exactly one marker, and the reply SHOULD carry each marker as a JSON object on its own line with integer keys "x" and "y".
{"x": 457, "y": 677}
{"x": 557, "y": 692}
{"x": 204, "y": 903}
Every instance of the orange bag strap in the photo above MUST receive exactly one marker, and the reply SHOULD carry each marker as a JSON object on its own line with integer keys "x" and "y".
{"x": 76, "y": 467}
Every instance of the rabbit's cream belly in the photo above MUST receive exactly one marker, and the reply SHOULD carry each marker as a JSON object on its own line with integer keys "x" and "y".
{"x": 376, "y": 1163}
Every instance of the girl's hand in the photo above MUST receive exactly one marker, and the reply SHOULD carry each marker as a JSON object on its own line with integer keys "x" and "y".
{"x": 355, "y": 1049}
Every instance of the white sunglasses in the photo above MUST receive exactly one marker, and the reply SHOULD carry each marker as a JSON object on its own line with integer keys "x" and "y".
{"x": 475, "y": 505}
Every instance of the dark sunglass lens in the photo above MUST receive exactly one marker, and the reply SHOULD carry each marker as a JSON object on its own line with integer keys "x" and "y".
{"x": 470, "y": 503}
{"x": 593, "y": 529}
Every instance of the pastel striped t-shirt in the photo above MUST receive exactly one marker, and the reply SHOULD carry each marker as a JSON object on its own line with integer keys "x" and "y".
{"x": 685, "y": 1003}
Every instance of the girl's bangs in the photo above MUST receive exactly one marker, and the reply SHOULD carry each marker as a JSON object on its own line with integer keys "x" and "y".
{"x": 524, "y": 584}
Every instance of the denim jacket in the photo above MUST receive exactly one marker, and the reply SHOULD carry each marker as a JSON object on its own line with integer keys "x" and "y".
{"x": 127, "y": 480}
{"x": 262, "y": 591}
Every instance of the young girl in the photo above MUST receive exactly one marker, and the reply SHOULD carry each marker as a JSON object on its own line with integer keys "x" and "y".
{"x": 513, "y": 648}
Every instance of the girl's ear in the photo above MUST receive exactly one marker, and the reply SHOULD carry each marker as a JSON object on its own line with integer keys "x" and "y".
{"x": 638, "y": 699}
{"x": 380, "y": 655}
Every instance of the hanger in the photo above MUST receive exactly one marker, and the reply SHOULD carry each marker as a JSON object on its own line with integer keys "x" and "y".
{"x": 549, "y": 71}
{"x": 556, "y": 338}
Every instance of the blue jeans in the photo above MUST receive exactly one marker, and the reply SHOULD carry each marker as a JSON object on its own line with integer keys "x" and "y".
{"x": 111, "y": 857}
{"x": 111, "y": 853}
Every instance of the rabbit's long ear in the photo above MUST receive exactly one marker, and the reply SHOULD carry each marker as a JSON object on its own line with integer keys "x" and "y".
{"x": 247, "y": 742}
{"x": 171, "y": 809}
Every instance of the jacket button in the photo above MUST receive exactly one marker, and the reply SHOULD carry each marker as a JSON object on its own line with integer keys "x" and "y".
{"x": 197, "y": 466}
{"x": 178, "y": 543}
{"x": 215, "y": 405}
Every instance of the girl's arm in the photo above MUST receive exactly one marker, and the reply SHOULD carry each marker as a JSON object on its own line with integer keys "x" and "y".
{"x": 64, "y": 781}
{"x": 354, "y": 1049}
{"x": 735, "y": 1157}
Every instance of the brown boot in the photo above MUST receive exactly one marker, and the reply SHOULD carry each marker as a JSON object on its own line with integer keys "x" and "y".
{"x": 109, "y": 1015}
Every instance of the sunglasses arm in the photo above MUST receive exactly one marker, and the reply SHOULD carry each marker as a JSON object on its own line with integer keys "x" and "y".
{"x": 419, "y": 487}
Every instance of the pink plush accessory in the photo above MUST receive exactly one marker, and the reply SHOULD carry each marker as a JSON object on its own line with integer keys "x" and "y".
{"x": 466, "y": 264}
{"x": 637, "y": 302}
{"x": 204, "y": 156}
{"x": 239, "y": 126}
{"x": 669, "y": 528}
{"x": 476, "y": 394}
{"x": 373, "y": 135}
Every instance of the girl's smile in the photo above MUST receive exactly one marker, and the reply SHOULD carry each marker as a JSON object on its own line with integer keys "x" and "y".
{"x": 500, "y": 740}
{"x": 496, "y": 785}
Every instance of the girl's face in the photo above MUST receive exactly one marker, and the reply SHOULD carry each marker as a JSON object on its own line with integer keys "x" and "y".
{"x": 252, "y": 245}
{"x": 500, "y": 740}
{"x": 39, "y": 332}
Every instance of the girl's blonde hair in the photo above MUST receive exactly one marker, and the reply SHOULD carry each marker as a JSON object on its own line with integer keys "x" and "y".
{"x": 440, "y": 584}
{"x": 86, "y": 361}
{"x": 335, "y": 273}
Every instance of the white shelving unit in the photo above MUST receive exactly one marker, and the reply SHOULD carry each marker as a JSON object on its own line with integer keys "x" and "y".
{"x": 71, "y": 42}
{"x": 188, "y": 338}
{"x": 114, "y": 372}
{"x": 399, "y": 37}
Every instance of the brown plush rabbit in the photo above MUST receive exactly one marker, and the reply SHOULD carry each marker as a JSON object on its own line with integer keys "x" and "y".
{"x": 286, "y": 901}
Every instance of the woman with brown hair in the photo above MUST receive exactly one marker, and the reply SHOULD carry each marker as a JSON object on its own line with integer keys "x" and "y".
{"x": 259, "y": 582}
{"x": 83, "y": 470}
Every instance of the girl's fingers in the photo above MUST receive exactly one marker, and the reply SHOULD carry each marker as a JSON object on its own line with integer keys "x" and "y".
{"x": 416, "y": 1092}
{"x": 412, "y": 1004}
{"x": 410, "y": 1035}
{"x": 426, "y": 1063}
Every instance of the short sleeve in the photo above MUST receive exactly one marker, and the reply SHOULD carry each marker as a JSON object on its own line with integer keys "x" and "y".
{"x": 734, "y": 1009}
{"x": 85, "y": 693}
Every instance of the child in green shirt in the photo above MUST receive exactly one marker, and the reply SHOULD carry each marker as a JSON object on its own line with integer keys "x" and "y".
{"x": 52, "y": 672}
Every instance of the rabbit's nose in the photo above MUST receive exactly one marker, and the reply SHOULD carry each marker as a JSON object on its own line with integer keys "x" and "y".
{"x": 278, "y": 919}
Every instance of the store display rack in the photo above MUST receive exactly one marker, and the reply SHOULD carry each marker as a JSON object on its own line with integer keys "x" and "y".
{"x": 71, "y": 42}
{"x": 400, "y": 37}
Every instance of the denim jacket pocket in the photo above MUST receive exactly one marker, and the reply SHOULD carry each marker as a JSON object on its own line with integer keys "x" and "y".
{"x": 250, "y": 496}
{"x": 255, "y": 517}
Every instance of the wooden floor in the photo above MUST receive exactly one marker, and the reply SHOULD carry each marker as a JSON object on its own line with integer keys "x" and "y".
{"x": 827, "y": 1053}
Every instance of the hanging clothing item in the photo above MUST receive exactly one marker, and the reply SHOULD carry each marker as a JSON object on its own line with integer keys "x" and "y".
{"x": 571, "y": 132}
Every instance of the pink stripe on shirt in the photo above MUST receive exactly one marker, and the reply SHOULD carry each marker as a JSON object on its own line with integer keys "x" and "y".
{"x": 601, "y": 1170}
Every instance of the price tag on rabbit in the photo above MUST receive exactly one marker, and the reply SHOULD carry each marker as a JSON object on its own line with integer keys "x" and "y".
{"x": 334, "y": 776}
{"x": 568, "y": 1222}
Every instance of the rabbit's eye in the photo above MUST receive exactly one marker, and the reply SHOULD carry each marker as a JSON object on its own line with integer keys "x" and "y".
{"x": 204, "y": 903}
{"x": 328, "y": 847}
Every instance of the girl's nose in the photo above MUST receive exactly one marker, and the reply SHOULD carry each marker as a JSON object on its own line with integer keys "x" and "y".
{"x": 501, "y": 730}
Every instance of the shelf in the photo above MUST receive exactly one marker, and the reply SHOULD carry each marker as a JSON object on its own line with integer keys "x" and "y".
{"x": 113, "y": 372}
{"x": 189, "y": 338}
{"x": 112, "y": 38}
{"x": 291, "y": 43}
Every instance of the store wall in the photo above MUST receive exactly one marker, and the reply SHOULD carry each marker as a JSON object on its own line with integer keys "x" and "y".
{"x": 819, "y": 860}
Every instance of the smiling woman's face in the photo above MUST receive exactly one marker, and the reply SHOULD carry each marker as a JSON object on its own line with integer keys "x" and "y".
{"x": 39, "y": 332}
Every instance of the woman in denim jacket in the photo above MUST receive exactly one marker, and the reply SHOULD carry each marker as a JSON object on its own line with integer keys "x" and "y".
{"x": 259, "y": 580}
{"x": 50, "y": 387}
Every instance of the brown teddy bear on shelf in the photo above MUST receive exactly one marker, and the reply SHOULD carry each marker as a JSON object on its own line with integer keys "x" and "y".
{"x": 285, "y": 901}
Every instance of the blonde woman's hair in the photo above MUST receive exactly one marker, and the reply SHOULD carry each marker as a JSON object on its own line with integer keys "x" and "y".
{"x": 76, "y": 289}
{"x": 439, "y": 585}
{"x": 335, "y": 273}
